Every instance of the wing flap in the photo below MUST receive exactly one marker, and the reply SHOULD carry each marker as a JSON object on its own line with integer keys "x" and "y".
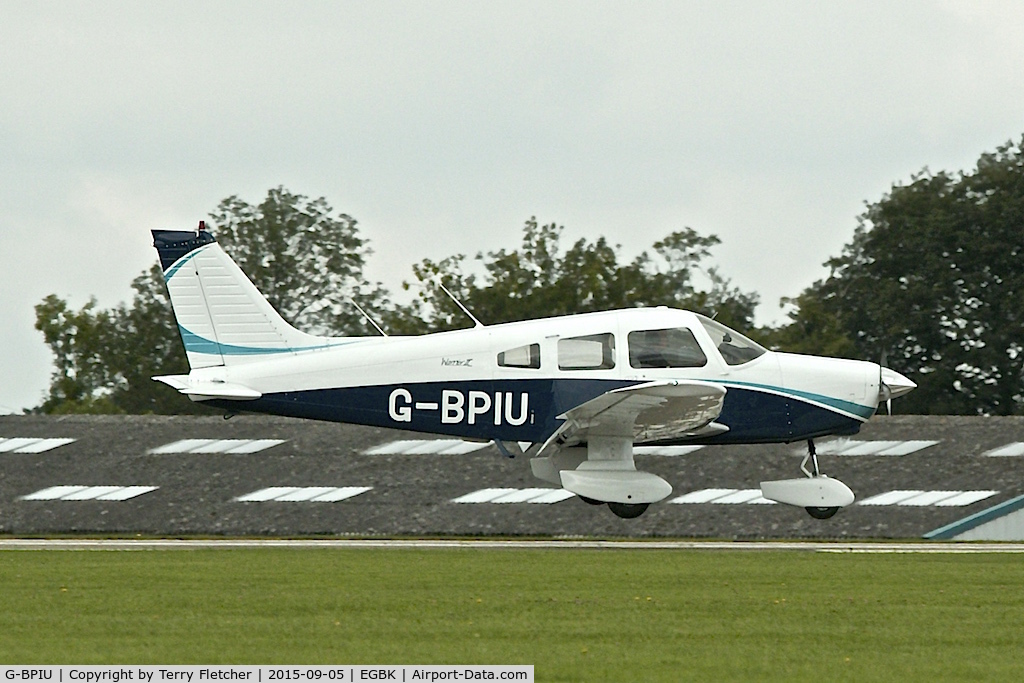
{"x": 651, "y": 411}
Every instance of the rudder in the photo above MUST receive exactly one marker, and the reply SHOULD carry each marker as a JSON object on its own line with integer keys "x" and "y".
{"x": 222, "y": 317}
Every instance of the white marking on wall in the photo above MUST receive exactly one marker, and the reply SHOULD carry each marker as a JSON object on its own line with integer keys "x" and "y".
{"x": 229, "y": 446}
{"x": 89, "y": 493}
{"x": 723, "y": 497}
{"x": 340, "y": 493}
{"x": 670, "y": 451}
{"x": 53, "y": 493}
{"x": 183, "y": 446}
{"x": 426, "y": 447}
{"x": 738, "y": 497}
{"x": 254, "y": 446}
{"x": 849, "y": 447}
{"x": 966, "y": 498}
{"x": 908, "y": 447}
{"x": 31, "y": 444}
{"x": 915, "y": 498}
{"x": 891, "y": 497}
{"x": 929, "y": 498}
{"x": 909, "y": 498}
{"x": 552, "y": 496}
{"x": 504, "y": 495}
{"x": 267, "y": 494}
{"x": 483, "y": 495}
{"x": 1015, "y": 449}
{"x": 702, "y": 496}
{"x": 303, "y": 494}
{"x": 127, "y": 492}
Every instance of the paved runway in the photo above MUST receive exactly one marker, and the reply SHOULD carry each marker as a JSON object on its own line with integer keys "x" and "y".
{"x": 735, "y": 546}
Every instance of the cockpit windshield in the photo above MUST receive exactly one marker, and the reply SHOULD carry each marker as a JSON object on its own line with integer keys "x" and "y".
{"x": 734, "y": 347}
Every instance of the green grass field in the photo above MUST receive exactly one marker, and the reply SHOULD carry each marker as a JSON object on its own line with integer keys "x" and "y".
{"x": 577, "y": 615}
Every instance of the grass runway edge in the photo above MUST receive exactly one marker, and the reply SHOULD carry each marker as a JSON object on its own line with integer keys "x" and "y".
{"x": 643, "y": 614}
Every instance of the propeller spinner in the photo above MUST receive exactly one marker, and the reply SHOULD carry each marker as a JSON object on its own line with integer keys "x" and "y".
{"x": 892, "y": 384}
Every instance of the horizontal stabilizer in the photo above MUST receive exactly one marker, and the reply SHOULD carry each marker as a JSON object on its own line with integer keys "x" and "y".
{"x": 202, "y": 390}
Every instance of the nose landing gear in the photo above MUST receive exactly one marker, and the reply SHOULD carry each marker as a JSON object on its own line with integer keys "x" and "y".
{"x": 812, "y": 455}
{"x": 820, "y": 495}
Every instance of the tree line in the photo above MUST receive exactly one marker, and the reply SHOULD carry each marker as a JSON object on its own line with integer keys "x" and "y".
{"x": 930, "y": 284}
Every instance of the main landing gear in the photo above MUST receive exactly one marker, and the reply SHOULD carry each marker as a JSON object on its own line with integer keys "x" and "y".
{"x": 818, "y": 494}
{"x": 628, "y": 510}
{"x": 623, "y": 510}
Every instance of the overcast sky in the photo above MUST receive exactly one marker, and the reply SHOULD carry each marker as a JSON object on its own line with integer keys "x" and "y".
{"x": 442, "y": 126}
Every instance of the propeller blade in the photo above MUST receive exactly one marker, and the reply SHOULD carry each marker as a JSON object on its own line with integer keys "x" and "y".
{"x": 884, "y": 393}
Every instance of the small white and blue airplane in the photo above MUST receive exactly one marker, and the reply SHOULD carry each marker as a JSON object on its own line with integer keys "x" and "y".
{"x": 573, "y": 393}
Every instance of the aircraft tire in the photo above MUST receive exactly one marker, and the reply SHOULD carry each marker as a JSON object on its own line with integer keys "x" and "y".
{"x": 591, "y": 501}
{"x": 628, "y": 510}
{"x": 822, "y": 513}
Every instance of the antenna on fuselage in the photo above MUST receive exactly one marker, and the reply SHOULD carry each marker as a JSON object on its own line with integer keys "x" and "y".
{"x": 367, "y": 316}
{"x": 476, "y": 323}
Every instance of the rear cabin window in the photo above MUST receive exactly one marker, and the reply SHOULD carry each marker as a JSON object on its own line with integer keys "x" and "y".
{"x": 521, "y": 357}
{"x": 675, "y": 347}
{"x": 592, "y": 352}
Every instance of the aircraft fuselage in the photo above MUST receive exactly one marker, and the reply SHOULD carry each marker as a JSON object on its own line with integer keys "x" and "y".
{"x": 455, "y": 383}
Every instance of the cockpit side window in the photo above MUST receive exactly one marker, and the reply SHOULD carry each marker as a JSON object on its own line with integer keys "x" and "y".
{"x": 520, "y": 357}
{"x": 668, "y": 348}
{"x": 734, "y": 347}
{"x": 592, "y": 352}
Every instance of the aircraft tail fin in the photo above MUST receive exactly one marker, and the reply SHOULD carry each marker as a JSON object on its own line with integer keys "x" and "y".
{"x": 222, "y": 317}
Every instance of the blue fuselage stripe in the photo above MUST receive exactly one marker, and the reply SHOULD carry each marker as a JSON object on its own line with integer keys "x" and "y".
{"x": 528, "y": 410}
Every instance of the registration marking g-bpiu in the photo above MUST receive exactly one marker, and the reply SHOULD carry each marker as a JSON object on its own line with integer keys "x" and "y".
{"x": 456, "y": 407}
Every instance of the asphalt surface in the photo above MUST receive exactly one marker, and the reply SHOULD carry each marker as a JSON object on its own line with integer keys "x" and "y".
{"x": 412, "y": 495}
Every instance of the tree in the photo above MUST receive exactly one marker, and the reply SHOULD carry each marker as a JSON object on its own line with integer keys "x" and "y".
{"x": 305, "y": 258}
{"x": 77, "y": 339}
{"x": 541, "y": 280}
{"x": 104, "y": 359}
{"x": 813, "y": 328}
{"x": 933, "y": 280}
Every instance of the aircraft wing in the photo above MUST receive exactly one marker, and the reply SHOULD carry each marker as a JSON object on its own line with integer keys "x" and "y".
{"x": 653, "y": 411}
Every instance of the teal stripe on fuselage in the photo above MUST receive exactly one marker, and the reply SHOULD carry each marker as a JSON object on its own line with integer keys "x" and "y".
{"x": 863, "y": 412}
{"x": 197, "y": 344}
